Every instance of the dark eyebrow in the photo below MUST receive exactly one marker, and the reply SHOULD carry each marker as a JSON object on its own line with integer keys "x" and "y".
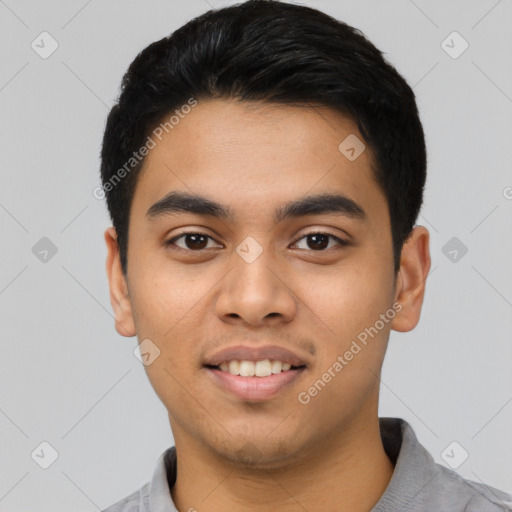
{"x": 184, "y": 202}
{"x": 321, "y": 204}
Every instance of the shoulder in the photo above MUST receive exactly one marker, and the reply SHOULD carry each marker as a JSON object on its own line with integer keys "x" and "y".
{"x": 135, "y": 502}
{"x": 420, "y": 484}
{"x": 475, "y": 496}
{"x": 155, "y": 494}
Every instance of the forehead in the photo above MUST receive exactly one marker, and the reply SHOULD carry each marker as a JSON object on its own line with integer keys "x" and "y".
{"x": 250, "y": 155}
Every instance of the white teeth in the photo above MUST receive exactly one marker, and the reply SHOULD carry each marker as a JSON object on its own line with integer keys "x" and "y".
{"x": 277, "y": 366}
{"x": 234, "y": 367}
{"x": 263, "y": 368}
{"x": 250, "y": 368}
{"x": 247, "y": 369}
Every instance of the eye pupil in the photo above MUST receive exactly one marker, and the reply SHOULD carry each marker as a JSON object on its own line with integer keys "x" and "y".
{"x": 194, "y": 238}
{"x": 320, "y": 245}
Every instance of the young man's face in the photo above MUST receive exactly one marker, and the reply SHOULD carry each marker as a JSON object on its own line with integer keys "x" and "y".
{"x": 254, "y": 282}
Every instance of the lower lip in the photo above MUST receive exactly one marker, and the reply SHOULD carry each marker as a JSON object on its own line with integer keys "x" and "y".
{"x": 255, "y": 388}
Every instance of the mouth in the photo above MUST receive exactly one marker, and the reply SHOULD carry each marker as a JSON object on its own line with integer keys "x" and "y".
{"x": 254, "y": 380}
{"x": 261, "y": 369}
{"x": 255, "y": 373}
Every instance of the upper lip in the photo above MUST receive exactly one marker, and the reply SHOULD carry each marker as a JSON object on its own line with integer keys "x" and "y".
{"x": 245, "y": 353}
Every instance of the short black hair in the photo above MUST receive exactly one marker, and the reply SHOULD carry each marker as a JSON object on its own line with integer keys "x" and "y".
{"x": 275, "y": 52}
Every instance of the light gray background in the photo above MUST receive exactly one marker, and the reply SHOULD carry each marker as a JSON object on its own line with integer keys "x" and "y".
{"x": 69, "y": 379}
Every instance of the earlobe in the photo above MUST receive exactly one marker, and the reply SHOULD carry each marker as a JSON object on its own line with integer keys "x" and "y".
{"x": 411, "y": 280}
{"x": 119, "y": 298}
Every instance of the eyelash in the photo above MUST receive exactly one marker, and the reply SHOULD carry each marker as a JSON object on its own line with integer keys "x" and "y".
{"x": 172, "y": 241}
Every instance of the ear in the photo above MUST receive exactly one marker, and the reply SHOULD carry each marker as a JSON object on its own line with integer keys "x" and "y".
{"x": 119, "y": 297}
{"x": 410, "y": 285}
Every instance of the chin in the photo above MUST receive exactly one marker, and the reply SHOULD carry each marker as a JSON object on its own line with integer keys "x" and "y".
{"x": 258, "y": 453}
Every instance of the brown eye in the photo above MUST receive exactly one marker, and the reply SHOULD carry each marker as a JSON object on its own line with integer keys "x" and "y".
{"x": 192, "y": 241}
{"x": 320, "y": 241}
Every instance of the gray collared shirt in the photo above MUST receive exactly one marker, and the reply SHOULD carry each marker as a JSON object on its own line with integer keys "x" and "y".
{"x": 418, "y": 483}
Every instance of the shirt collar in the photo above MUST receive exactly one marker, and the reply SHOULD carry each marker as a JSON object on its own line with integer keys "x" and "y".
{"x": 414, "y": 466}
{"x": 164, "y": 476}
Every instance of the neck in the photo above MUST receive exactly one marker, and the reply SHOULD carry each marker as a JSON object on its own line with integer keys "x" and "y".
{"x": 348, "y": 472}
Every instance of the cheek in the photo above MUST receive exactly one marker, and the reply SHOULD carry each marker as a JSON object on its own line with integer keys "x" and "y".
{"x": 350, "y": 300}
{"x": 350, "y": 305}
{"x": 163, "y": 298}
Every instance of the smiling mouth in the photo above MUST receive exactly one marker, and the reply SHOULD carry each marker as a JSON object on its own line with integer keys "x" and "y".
{"x": 263, "y": 368}
{"x": 255, "y": 381}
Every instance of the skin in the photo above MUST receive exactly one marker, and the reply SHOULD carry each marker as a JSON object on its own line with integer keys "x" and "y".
{"x": 277, "y": 454}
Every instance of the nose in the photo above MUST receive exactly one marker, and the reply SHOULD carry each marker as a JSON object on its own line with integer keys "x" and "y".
{"x": 255, "y": 291}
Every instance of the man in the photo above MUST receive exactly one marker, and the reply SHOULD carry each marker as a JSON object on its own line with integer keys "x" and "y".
{"x": 264, "y": 168}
